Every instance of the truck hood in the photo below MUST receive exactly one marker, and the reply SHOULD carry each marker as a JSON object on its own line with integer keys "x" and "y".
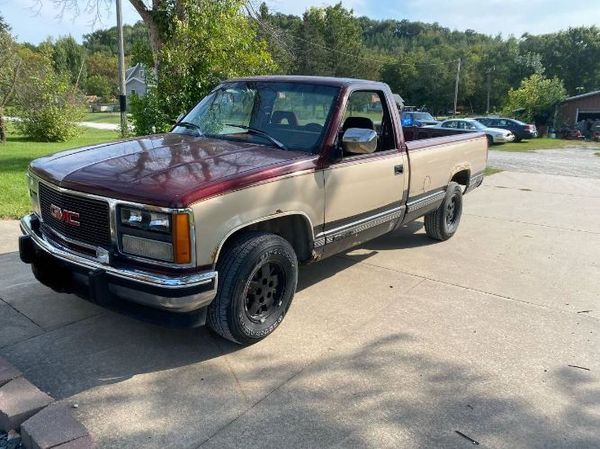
{"x": 170, "y": 170}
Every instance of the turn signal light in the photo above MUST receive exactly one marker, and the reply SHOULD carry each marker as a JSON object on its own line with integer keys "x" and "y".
{"x": 181, "y": 238}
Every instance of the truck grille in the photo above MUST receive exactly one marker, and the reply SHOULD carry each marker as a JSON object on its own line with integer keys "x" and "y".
{"x": 94, "y": 216}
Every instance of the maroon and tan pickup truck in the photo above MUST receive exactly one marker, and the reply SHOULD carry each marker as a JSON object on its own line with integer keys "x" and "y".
{"x": 208, "y": 223}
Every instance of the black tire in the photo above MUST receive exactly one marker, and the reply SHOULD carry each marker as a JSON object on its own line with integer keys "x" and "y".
{"x": 518, "y": 139}
{"x": 490, "y": 140}
{"x": 258, "y": 273}
{"x": 442, "y": 223}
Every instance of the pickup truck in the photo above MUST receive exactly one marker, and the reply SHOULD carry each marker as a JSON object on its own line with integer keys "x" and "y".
{"x": 207, "y": 224}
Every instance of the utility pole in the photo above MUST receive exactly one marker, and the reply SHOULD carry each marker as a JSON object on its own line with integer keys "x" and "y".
{"x": 456, "y": 86}
{"x": 489, "y": 87}
{"x": 122, "y": 95}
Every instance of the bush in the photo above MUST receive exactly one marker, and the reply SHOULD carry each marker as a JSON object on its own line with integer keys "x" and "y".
{"x": 147, "y": 114}
{"x": 538, "y": 96}
{"x": 48, "y": 106}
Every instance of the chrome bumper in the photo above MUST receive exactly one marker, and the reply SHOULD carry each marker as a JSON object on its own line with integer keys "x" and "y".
{"x": 181, "y": 293}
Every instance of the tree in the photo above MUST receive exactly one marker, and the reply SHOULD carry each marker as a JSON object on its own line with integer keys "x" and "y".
{"x": 214, "y": 42}
{"x": 102, "y": 73}
{"x": 69, "y": 58}
{"x": 538, "y": 96}
{"x": 574, "y": 55}
{"x": 10, "y": 69}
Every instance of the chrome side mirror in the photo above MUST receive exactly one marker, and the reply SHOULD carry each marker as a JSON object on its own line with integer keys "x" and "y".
{"x": 359, "y": 141}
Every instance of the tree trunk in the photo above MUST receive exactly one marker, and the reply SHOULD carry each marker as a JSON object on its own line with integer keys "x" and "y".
{"x": 154, "y": 33}
{"x": 2, "y": 127}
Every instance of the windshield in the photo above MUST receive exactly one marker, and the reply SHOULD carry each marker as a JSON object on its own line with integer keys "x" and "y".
{"x": 477, "y": 124}
{"x": 294, "y": 115}
{"x": 422, "y": 116}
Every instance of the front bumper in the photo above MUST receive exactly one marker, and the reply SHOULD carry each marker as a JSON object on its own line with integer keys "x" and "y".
{"x": 63, "y": 270}
{"x": 503, "y": 139}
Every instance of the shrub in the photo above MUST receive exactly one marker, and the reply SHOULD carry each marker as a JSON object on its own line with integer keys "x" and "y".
{"x": 48, "y": 106}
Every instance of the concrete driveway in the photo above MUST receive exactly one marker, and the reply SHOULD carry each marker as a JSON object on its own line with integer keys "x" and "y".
{"x": 397, "y": 344}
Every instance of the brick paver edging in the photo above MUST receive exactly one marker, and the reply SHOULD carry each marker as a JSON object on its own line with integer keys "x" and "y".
{"x": 43, "y": 424}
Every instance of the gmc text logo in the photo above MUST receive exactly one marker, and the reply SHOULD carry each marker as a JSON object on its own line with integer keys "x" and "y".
{"x": 66, "y": 216}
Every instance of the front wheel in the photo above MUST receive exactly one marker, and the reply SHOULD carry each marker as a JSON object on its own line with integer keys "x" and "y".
{"x": 258, "y": 273}
{"x": 490, "y": 140}
{"x": 442, "y": 223}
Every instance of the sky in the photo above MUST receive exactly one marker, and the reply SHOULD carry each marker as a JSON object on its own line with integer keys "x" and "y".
{"x": 35, "y": 20}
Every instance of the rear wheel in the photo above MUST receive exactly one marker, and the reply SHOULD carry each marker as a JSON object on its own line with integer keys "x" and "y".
{"x": 442, "y": 223}
{"x": 258, "y": 273}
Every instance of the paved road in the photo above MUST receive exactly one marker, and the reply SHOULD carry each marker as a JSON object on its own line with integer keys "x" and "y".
{"x": 107, "y": 126}
{"x": 579, "y": 162}
{"x": 397, "y": 344}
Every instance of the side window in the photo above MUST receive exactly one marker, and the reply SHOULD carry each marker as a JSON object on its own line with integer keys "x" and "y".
{"x": 367, "y": 109}
{"x": 502, "y": 123}
{"x": 469, "y": 125}
{"x": 460, "y": 125}
{"x": 451, "y": 124}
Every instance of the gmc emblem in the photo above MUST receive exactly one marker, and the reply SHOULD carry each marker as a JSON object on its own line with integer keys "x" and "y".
{"x": 66, "y": 216}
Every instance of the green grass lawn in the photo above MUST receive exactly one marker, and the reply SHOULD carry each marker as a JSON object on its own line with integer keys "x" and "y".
{"x": 103, "y": 117}
{"x": 545, "y": 143}
{"x": 15, "y": 156}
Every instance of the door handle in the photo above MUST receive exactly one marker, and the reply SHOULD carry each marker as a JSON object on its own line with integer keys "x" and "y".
{"x": 398, "y": 169}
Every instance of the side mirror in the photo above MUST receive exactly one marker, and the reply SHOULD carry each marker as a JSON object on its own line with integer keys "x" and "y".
{"x": 359, "y": 141}
{"x": 179, "y": 117}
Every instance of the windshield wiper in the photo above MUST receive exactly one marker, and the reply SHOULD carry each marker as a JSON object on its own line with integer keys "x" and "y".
{"x": 259, "y": 132}
{"x": 190, "y": 125}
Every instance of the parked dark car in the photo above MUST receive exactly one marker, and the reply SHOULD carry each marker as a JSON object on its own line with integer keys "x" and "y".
{"x": 519, "y": 129}
{"x": 417, "y": 118}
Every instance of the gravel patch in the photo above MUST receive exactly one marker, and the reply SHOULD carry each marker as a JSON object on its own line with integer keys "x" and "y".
{"x": 579, "y": 162}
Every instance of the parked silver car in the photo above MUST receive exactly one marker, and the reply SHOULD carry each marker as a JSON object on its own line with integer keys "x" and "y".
{"x": 469, "y": 125}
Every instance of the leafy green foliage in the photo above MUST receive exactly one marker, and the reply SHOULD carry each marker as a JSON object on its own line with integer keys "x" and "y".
{"x": 100, "y": 86}
{"x": 105, "y": 41}
{"x": 213, "y": 42}
{"x": 69, "y": 57}
{"x": 10, "y": 67}
{"x": 573, "y": 55}
{"x": 102, "y": 73}
{"x": 48, "y": 105}
{"x": 538, "y": 96}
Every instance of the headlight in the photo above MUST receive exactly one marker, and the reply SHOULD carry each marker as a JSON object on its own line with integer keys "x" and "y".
{"x": 155, "y": 235}
{"x": 145, "y": 220}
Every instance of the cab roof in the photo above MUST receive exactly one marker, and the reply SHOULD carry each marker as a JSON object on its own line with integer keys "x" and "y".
{"x": 322, "y": 80}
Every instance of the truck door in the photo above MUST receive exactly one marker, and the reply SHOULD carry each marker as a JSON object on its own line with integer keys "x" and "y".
{"x": 364, "y": 193}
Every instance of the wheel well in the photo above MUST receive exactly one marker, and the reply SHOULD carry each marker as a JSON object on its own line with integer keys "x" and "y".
{"x": 462, "y": 177}
{"x": 294, "y": 228}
